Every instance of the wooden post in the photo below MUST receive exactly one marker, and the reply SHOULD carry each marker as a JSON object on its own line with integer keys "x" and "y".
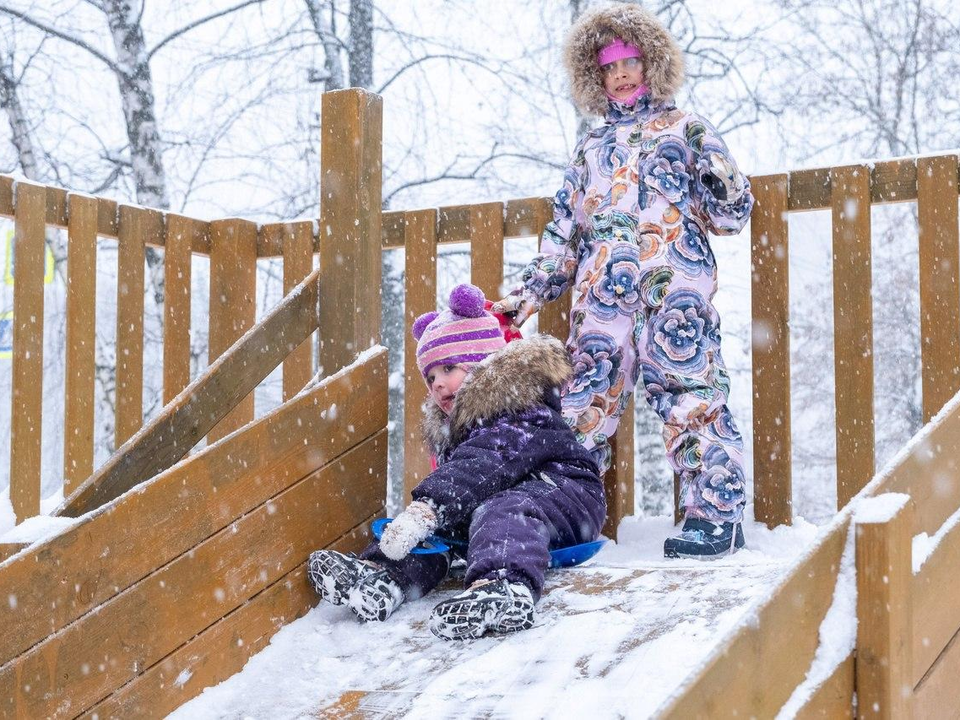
{"x": 233, "y": 301}
{"x": 420, "y": 293}
{"x": 178, "y": 296}
{"x": 350, "y": 220}
{"x": 939, "y": 280}
{"x": 884, "y": 623}
{"x": 619, "y": 480}
{"x": 297, "y": 264}
{"x": 27, "y": 394}
{"x": 81, "y": 336}
{"x": 770, "y": 298}
{"x": 554, "y": 318}
{"x": 852, "y": 329}
{"x": 486, "y": 249}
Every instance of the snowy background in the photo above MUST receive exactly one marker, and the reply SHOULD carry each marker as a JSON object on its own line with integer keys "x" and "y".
{"x": 211, "y": 108}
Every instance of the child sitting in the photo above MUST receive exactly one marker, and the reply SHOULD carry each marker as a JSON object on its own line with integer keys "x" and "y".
{"x": 512, "y": 481}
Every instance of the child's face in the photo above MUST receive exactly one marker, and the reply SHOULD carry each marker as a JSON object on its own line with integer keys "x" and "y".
{"x": 622, "y": 77}
{"x": 443, "y": 381}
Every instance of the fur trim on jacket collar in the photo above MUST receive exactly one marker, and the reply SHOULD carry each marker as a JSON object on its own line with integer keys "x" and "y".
{"x": 512, "y": 379}
{"x": 662, "y": 56}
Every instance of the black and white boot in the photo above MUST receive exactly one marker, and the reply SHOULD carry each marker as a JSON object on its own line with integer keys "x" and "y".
{"x": 704, "y": 540}
{"x": 495, "y": 605}
{"x": 375, "y": 597}
{"x": 334, "y": 574}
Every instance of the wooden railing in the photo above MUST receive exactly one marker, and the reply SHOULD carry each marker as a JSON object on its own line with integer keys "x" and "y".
{"x": 906, "y": 657}
{"x": 350, "y": 140}
{"x": 849, "y": 192}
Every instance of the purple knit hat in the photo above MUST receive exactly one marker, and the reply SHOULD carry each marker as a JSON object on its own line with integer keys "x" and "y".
{"x": 463, "y": 335}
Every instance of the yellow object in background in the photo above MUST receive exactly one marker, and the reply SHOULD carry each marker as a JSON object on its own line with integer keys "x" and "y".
{"x": 9, "y": 260}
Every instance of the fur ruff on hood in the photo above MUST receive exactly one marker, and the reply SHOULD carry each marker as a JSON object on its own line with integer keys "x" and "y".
{"x": 512, "y": 379}
{"x": 662, "y": 56}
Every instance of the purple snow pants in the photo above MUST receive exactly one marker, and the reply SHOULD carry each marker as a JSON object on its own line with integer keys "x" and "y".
{"x": 509, "y": 536}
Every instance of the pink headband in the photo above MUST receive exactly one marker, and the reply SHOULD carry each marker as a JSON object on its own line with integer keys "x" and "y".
{"x": 617, "y": 50}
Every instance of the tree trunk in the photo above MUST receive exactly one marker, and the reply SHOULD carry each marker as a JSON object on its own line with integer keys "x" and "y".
{"x": 326, "y": 30}
{"x": 361, "y": 43}
{"x": 136, "y": 97}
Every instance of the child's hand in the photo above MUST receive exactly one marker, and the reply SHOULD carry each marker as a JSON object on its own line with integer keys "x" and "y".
{"x": 720, "y": 177}
{"x": 408, "y": 529}
{"x": 515, "y": 307}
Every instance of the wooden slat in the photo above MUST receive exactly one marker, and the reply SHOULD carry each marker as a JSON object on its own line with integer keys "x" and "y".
{"x": 554, "y": 318}
{"x": 524, "y": 217}
{"x": 936, "y": 604}
{"x": 936, "y": 696}
{"x": 6, "y": 196}
{"x": 136, "y": 225}
{"x": 420, "y": 296}
{"x": 108, "y": 219}
{"x": 139, "y": 627}
{"x": 884, "y": 642}
{"x": 108, "y": 551}
{"x": 224, "y": 648}
{"x": 80, "y": 342}
{"x": 183, "y": 422}
{"x": 486, "y": 248}
{"x": 834, "y": 698}
{"x": 754, "y": 672}
{"x": 27, "y": 387}
{"x": 233, "y": 301}
{"x": 297, "y": 242}
{"x": 894, "y": 181}
{"x": 454, "y": 224}
{"x": 770, "y": 300}
{"x": 891, "y": 181}
{"x": 852, "y": 329}
{"x": 350, "y": 235}
{"x": 619, "y": 480}
{"x": 57, "y": 207}
{"x": 930, "y": 472}
{"x": 939, "y": 280}
{"x": 178, "y": 296}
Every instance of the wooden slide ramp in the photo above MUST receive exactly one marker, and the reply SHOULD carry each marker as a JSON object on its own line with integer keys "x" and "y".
{"x": 609, "y": 639}
{"x": 172, "y": 586}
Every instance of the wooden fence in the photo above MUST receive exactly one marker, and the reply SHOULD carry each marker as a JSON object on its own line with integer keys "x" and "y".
{"x": 906, "y": 659}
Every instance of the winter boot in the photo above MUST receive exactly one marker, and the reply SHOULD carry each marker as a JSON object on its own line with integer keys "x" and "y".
{"x": 375, "y": 597}
{"x": 495, "y": 605}
{"x": 334, "y": 574}
{"x": 704, "y": 540}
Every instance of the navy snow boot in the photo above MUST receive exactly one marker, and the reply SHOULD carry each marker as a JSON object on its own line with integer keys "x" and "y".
{"x": 495, "y": 605}
{"x": 704, "y": 540}
{"x": 375, "y": 597}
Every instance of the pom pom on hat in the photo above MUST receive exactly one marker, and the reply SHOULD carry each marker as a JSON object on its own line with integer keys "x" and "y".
{"x": 420, "y": 324}
{"x": 463, "y": 335}
{"x": 467, "y": 300}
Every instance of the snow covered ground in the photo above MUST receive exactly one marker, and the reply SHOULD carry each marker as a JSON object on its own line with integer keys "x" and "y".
{"x": 614, "y": 638}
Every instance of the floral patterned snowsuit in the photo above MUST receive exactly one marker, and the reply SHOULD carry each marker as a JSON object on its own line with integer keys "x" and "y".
{"x": 630, "y": 230}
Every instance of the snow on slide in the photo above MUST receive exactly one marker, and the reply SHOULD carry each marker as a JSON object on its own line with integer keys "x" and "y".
{"x": 613, "y": 638}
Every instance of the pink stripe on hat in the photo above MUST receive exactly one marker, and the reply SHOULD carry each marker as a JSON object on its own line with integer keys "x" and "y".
{"x": 617, "y": 50}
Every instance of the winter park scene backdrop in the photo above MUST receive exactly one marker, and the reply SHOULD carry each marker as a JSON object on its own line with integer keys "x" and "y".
{"x": 211, "y": 109}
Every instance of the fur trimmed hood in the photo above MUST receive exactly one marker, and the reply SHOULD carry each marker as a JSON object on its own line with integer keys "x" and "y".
{"x": 662, "y": 56}
{"x": 513, "y": 379}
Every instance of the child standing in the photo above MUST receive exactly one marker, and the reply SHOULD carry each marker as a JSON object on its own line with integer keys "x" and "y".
{"x": 630, "y": 232}
{"x": 512, "y": 481}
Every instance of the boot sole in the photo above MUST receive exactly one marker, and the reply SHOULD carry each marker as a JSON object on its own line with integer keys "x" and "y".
{"x": 471, "y": 618}
{"x": 332, "y": 576}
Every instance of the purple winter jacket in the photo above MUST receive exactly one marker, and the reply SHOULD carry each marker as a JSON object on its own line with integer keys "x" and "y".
{"x": 505, "y": 429}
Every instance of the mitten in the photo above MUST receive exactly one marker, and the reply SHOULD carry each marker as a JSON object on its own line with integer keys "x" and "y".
{"x": 408, "y": 529}
{"x": 516, "y": 306}
{"x": 719, "y": 176}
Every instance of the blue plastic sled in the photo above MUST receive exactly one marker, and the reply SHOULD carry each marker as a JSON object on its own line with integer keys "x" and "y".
{"x": 561, "y": 557}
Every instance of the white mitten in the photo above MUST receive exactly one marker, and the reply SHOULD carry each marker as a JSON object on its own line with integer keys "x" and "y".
{"x": 515, "y": 306}
{"x": 408, "y": 529}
